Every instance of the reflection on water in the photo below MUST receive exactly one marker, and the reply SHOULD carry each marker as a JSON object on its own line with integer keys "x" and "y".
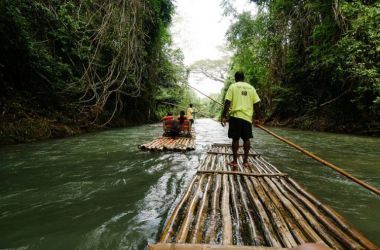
{"x": 99, "y": 191}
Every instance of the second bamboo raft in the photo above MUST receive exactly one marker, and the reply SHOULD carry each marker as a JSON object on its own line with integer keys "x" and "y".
{"x": 256, "y": 206}
{"x": 169, "y": 143}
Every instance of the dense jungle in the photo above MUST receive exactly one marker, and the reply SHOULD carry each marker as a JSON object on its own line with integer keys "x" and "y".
{"x": 68, "y": 67}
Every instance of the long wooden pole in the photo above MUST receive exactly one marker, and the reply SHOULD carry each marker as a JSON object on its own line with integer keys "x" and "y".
{"x": 326, "y": 163}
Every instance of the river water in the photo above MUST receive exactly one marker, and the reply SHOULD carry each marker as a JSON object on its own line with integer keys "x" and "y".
{"x": 99, "y": 191}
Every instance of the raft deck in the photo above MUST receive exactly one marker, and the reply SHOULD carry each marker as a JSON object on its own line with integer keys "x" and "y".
{"x": 259, "y": 206}
{"x": 169, "y": 143}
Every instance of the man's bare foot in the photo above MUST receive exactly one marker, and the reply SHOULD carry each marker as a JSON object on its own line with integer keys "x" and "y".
{"x": 247, "y": 165}
{"x": 233, "y": 165}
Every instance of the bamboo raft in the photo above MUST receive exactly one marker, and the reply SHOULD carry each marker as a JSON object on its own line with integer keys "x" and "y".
{"x": 169, "y": 143}
{"x": 259, "y": 206}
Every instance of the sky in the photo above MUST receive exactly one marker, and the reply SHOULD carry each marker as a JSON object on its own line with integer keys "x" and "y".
{"x": 199, "y": 29}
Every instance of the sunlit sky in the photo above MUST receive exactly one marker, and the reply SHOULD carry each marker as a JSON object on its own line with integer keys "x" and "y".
{"x": 199, "y": 29}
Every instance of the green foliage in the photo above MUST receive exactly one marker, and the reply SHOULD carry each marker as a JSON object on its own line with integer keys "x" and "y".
{"x": 313, "y": 59}
{"x": 98, "y": 58}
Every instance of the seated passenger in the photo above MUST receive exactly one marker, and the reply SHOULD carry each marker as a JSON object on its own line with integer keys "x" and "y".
{"x": 171, "y": 127}
{"x": 168, "y": 117}
{"x": 184, "y": 124}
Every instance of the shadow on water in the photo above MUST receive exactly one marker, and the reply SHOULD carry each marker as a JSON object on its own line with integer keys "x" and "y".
{"x": 100, "y": 191}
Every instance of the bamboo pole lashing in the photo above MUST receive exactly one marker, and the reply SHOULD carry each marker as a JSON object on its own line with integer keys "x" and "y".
{"x": 240, "y": 153}
{"x": 241, "y": 173}
{"x": 172, "y": 246}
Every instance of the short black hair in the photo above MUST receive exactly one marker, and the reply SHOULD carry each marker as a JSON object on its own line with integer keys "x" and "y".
{"x": 182, "y": 113}
{"x": 191, "y": 105}
{"x": 239, "y": 76}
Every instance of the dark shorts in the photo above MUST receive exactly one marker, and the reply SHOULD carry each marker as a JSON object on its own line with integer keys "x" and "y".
{"x": 239, "y": 128}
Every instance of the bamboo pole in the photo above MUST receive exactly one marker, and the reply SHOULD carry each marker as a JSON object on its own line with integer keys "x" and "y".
{"x": 184, "y": 230}
{"x": 347, "y": 241}
{"x": 294, "y": 229}
{"x": 266, "y": 226}
{"x": 316, "y": 227}
{"x": 235, "y": 211}
{"x": 336, "y": 217}
{"x": 240, "y": 173}
{"x": 227, "y": 225}
{"x": 263, "y": 166}
{"x": 215, "y": 208}
{"x": 206, "y": 247}
{"x": 257, "y": 239}
{"x": 283, "y": 230}
{"x": 197, "y": 229}
{"x": 228, "y": 153}
{"x": 326, "y": 163}
{"x": 168, "y": 231}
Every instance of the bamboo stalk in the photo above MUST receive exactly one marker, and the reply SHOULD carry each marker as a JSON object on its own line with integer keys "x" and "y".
{"x": 184, "y": 230}
{"x": 205, "y": 163}
{"x": 331, "y": 241}
{"x": 168, "y": 231}
{"x": 197, "y": 229}
{"x": 286, "y": 236}
{"x": 235, "y": 211}
{"x": 206, "y": 247}
{"x": 239, "y": 173}
{"x": 266, "y": 226}
{"x": 257, "y": 239}
{"x": 210, "y": 236}
{"x": 227, "y": 225}
{"x": 347, "y": 241}
{"x": 336, "y": 217}
{"x": 310, "y": 219}
{"x": 299, "y": 237}
{"x": 213, "y": 152}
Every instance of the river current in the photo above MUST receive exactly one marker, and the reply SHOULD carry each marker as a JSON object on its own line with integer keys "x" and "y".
{"x": 99, "y": 191}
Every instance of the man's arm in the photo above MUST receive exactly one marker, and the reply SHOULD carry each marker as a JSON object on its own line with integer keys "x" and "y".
{"x": 227, "y": 104}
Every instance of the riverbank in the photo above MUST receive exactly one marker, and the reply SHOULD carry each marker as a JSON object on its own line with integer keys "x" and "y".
{"x": 22, "y": 122}
{"x": 323, "y": 124}
{"x": 27, "y": 121}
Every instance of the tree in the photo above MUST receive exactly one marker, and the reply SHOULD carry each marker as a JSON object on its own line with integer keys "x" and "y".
{"x": 216, "y": 69}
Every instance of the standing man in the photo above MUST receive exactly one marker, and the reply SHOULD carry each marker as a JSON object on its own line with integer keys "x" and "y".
{"x": 189, "y": 113}
{"x": 241, "y": 99}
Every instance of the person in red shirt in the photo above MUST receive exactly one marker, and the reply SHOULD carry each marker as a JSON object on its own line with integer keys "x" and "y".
{"x": 168, "y": 117}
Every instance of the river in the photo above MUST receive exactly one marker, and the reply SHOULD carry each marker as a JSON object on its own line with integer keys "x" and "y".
{"x": 99, "y": 191}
